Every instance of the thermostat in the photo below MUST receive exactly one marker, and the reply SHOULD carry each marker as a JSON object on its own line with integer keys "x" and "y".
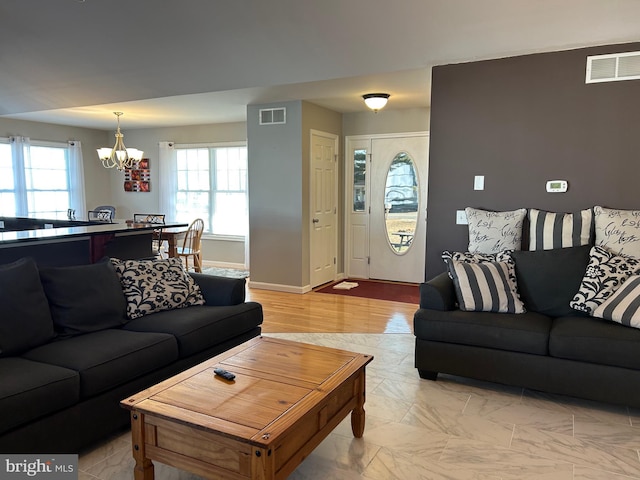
{"x": 557, "y": 186}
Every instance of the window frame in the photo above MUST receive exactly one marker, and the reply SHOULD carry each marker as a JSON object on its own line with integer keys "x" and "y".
{"x": 22, "y": 193}
{"x": 212, "y": 183}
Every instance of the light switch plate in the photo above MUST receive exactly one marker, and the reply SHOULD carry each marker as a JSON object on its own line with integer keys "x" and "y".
{"x": 478, "y": 182}
{"x": 461, "y": 217}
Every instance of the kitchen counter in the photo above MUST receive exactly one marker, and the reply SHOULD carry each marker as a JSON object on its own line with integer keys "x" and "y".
{"x": 59, "y": 243}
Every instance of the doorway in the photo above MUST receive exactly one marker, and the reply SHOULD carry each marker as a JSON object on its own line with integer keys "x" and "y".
{"x": 323, "y": 208}
{"x": 386, "y": 180}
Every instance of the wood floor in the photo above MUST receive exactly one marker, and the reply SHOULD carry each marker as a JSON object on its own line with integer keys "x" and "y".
{"x": 325, "y": 313}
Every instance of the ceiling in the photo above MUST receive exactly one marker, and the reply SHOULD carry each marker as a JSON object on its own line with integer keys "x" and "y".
{"x": 75, "y": 62}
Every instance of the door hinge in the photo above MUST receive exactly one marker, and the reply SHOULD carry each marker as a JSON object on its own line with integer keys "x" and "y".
{"x": 368, "y": 260}
{"x": 335, "y": 210}
{"x": 334, "y": 260}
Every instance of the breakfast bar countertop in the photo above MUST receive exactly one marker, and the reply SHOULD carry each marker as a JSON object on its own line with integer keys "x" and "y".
{"x": 119, "y": 227}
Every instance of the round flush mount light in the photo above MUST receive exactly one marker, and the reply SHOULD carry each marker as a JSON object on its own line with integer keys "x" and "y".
{"x": 375, "y": 101}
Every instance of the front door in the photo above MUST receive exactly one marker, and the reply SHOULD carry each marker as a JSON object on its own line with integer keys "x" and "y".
{"x": 323, "y": 244}
{"x": 387, "y": 219}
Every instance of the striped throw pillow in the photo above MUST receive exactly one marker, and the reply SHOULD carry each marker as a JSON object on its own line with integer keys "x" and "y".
{"x": 624, "y": 305}
{"x": 549, "y": 230}
{"x": 485, "y": 287}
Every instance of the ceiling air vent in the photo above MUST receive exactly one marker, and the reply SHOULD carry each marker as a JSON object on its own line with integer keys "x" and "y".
{"x": 614, "y": 67}
{"x": 273, "y": 116}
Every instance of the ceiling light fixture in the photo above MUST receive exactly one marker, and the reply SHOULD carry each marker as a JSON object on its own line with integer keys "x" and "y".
{"x": 119, "y": 156}
{"x": 375, "y": 101}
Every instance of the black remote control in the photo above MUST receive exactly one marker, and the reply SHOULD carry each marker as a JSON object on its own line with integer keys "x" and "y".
{"x": 224, "y": 374}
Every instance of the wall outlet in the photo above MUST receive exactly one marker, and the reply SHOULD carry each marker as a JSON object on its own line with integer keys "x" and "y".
{"x": 461, "y": 217}
{"x": 478, "y": 182}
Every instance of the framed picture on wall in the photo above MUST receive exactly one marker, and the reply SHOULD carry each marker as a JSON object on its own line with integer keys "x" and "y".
{"x": 137, "y": 178}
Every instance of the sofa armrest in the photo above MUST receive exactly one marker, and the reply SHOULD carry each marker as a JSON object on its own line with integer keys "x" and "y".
{"x": 438, "y": 293}
{"x": 220, "y": 291}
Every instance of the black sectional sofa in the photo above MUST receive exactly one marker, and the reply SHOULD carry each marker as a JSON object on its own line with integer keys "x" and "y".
{"x": 551, "y": 347}
{"x": 69, "y": 352}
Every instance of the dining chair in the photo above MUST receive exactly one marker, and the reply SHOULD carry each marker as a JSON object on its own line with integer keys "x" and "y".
{"x": 191, "y": 245}
{"x": 111, "y": 208}
{"x": 156, "y": 219}
{"x": 100, "y": 216}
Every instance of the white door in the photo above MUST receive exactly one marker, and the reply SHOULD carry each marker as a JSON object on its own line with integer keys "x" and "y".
{"x": 391, "y": 228}
{"x": 323, "y": 208}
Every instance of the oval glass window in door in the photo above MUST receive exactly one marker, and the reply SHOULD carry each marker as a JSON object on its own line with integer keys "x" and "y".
{"x": 401, "y": 198}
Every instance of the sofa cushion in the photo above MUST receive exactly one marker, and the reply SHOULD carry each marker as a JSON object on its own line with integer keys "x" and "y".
{"x": 548, "y": 230}
{"x": 594, "y": 340}
{"x": 26, "y": 320}
{"x": 549, "y": 279}
{"x": 156, "y": 285}
{"x": 624, "y": 305}
{"x": 198, "y": 328}
{"x": 526, "y": 332}
{"x": 618, "y": 230}
{"x": 84, "y": 298}
{"x": 485, "y": 287}
{"x": 493, "y": 232}
{"x": 108, "y": 358}
{"x": 30, "y": 390}
{"x": 605, "y": 272}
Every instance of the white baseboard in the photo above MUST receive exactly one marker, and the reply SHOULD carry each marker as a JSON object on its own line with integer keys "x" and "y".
{"x": 278, "y": 287}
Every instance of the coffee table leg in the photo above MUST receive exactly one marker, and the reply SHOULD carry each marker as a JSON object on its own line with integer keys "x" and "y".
{"x": 357, "y": 415}
{"x": 144, "y": 467}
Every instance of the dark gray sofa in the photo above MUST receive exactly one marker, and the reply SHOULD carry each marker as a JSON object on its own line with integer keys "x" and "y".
{"x": 60, "y": 388}
{"x": 550, "y": 348}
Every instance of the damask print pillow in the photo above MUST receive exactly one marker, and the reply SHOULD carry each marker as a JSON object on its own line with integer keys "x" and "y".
{"x": 606, "y": 272}
{"x": 618, "y": 230}
{"x": 493, "y": 232}
{"x": 155, "y": 285}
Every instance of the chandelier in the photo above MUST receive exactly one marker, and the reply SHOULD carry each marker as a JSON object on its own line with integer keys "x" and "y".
{"x": 119, "y": 156}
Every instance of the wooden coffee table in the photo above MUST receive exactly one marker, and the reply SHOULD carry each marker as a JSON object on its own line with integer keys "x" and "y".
{"x": 286, "y": 398}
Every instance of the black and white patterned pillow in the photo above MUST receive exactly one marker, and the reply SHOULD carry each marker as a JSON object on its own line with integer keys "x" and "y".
{"x": 618, "y": 230}
{"x": 624, "y": 305}
{"x": 549, "y": 230}
{"x": 606, "y": 272}
{"x": 493, "y": 232}
{"x": 156, "y": 285}
{"x": 468, "y": 257}
{"x": 485, "y": 287}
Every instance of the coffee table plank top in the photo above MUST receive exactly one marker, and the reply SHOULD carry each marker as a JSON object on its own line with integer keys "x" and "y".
{"x": 281, "y": 376}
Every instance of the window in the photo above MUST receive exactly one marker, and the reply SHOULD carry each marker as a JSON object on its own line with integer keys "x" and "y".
{"x": 7, "y": 188}
{"x": 212, "y": 185}
{"x": 35, "y": 180}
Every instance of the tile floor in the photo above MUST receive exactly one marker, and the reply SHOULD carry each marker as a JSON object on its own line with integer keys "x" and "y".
{"x": 455, "y": 429}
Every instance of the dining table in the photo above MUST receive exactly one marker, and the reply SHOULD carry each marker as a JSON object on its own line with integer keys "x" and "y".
{"x": 172, "y": 236}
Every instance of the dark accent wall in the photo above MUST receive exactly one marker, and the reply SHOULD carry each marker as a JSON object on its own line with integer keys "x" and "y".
{"x": 521, "y": 121}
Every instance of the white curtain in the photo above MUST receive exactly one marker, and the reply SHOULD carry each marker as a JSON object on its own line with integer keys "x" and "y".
{"x": 20, "y": 153}
{"x": 168, "y": 180}
{"x": 76, "y": 179}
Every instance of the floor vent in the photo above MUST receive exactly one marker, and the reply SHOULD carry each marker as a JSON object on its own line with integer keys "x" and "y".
{"x": 614, "y": 67}
{"x": 273, "y": 116}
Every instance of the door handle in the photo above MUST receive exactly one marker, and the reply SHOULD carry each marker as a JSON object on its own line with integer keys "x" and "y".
{"x": 316, "y": 220}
